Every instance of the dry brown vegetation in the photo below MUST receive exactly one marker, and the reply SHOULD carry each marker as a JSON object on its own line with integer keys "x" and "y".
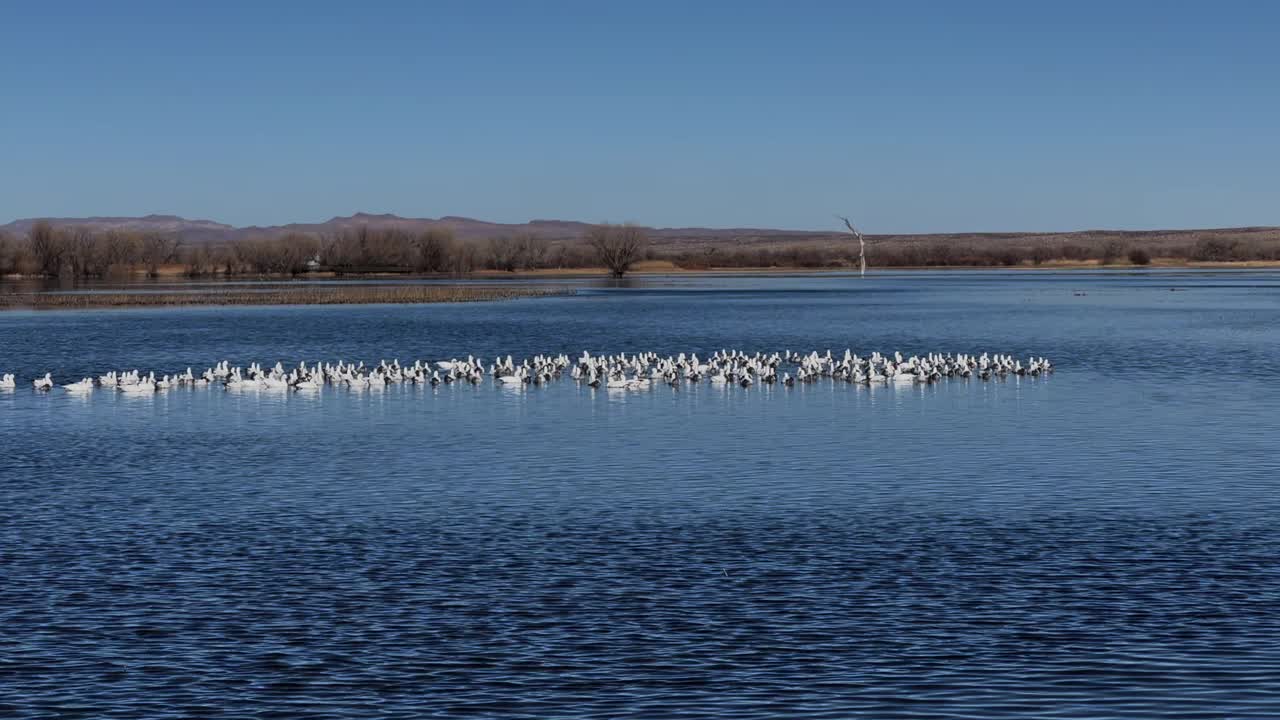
{"x": 314, "y": 295}
{"x": 994, "y": 250}
{"x": 76, "y": 251}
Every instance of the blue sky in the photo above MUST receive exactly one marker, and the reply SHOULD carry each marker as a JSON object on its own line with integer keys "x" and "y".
{"x": 921, "y": 116}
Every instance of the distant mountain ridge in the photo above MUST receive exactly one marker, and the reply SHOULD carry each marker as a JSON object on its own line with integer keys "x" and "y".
{"x": 169, "y": 224}
{"x": 464, "y": 228}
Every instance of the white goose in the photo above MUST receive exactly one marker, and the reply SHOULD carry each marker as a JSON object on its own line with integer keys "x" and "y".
{"x": 274, "y": 382}
{"x": 84, "y": 386}
{"x": 622, "y": 371}
{"x": 514, "y": 378}
{"x": 142, "y": 387}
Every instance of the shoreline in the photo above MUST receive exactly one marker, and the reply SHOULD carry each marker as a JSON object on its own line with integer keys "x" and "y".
{"x": 169, "y": 289}
{"x": 665, "y": 268}
{"x": 317, "y": 295}
{"x": 651, "y": 268}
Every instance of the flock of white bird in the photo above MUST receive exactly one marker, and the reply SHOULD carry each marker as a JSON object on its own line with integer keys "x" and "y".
{"x": 622, "y": 372}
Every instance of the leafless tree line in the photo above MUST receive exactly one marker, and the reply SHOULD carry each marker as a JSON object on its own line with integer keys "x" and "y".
{"x": 371, "y": 249}
{"x": 76, "y": 252}
{"x": 368, "y": 249}
{"x": 79, "y": 252}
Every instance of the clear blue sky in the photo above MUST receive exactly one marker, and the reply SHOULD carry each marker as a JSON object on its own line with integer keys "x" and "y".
{"x": 910, "y": 116}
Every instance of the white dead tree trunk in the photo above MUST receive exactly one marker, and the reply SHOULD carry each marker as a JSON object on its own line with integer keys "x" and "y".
{"x": 862, "y": 246}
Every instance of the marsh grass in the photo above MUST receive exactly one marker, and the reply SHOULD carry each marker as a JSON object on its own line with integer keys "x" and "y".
{"x": 282, "y": 296}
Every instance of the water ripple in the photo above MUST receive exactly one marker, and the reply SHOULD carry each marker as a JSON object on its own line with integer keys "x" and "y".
{"x": 1096, "y": 544}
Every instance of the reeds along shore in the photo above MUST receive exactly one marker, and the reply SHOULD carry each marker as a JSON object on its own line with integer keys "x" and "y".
{"x": 363, "y": 295}
{"x": 961, "y": 251}
{"x": 76, "y": 251}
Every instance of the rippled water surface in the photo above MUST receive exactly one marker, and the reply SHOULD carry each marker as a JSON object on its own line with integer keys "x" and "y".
{"x": 1099, "y": 543}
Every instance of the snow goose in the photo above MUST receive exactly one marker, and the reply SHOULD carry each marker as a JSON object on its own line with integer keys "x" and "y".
{"x": 142, "y": 387}
{"x": 82, "y": 386}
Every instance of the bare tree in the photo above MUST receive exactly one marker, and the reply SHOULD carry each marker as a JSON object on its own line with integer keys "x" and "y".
{"x": 245, "y": 252}
{"x": 156, "y": 250}
{"x": 11, "y": 252}
{"x": 464, "y": 259}
{"x": 46, "y": 248}
{"x": 197, "y": 260}
{"x": 522, "y": 251}
{"x": 340, "y": 252}
{"x": 83, "y": 251}
{"x": 223, "y": 257}
{"x": 386, "y": 248}
{"x": 121, "y": 249}
{"x": 435, "y": 250}
{"x": 862, "y": 246}
{"x": 294, "y": 252}
{"x": 1111, "y": 250}
{"x": 618, "y": 247}
{"x": 506, "y": 253}
{"x": 534, "y": 250}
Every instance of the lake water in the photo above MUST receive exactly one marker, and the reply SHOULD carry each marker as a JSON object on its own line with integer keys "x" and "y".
{"x": 1100, "y": 543}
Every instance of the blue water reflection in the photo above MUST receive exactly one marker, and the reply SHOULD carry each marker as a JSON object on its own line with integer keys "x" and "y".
{"x": 1098, "y": 543}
